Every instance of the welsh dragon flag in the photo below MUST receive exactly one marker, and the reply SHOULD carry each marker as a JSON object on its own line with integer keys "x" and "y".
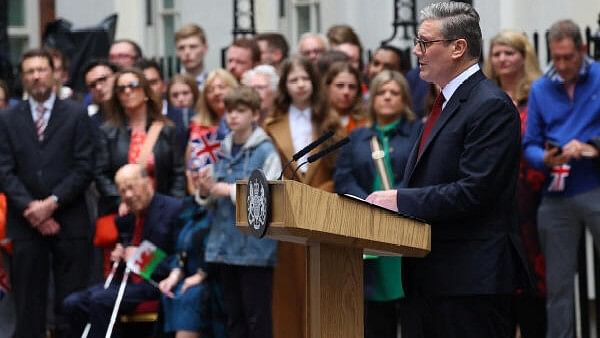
{"x": 145, "y": 259}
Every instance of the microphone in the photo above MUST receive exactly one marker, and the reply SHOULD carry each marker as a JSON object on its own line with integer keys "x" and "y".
{"x": 328, "y": 150}
{"x": 326, "y": 136}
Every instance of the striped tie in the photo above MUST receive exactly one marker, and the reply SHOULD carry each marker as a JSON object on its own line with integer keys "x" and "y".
{"x": 40, "y": 124}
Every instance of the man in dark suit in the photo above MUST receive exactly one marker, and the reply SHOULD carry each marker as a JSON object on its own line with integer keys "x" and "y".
{"x": 153, "y": 217}
{"x": 45, "y": 166}
{"x": 461, "y": 178}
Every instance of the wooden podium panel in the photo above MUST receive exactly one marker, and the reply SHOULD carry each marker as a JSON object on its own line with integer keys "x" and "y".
{"x": 334, "y": 231}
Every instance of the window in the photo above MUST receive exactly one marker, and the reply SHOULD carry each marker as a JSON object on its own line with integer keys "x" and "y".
{"x": 307, "y": 17}
{"x": 22, "y": 27}
{"x": 169, "y": 16}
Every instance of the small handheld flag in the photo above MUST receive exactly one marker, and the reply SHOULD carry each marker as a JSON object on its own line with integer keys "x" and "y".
{"x": 145, "y": 259}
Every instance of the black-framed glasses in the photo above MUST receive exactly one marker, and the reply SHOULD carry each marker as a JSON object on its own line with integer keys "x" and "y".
{"x": 101, "y": 80}
{"x": 131, "y": 85}
{"x": 423, "y": 44}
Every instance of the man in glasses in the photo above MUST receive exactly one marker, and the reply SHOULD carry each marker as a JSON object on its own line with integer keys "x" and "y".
{"x": 98, "y": 75}
{"x": 312, "y": 46}
{"x": 461, "y": 179}
{"x": 46, "y": 161}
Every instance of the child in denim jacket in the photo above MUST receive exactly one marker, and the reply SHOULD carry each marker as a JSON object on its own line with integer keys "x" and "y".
{"x": 244, "y": 264}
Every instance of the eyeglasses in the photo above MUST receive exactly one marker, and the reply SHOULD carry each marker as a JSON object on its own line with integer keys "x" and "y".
{"x": 131, "y": 85}
{"x": 424, "y": 44}
{"x": 31, "y": 71}
{"x": 100, "y": 80}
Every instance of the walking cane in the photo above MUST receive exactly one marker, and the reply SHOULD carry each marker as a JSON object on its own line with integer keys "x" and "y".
{"x": 113, "y": 317}
{"x": 107, "y": 282}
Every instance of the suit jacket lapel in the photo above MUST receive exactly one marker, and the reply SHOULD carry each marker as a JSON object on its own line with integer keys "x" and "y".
{"x": 26, "y": 120}
{"x": 460, "y": 95}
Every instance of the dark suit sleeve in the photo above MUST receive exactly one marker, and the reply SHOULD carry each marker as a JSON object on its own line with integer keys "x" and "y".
{"x": 10, "y": 183}
{"x": 78, "y": 178}
{"x": 490, "y": 156}
{"x": 344, "y": 178}
{"x": 177, "y": 169}
{"x": 102, "y": 171}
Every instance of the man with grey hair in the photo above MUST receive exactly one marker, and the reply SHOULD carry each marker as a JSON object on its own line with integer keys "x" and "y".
{"x": 312, "y": 46}
{"x": 562, "y": 138}
{"x": 264, "y": 79}
{"x": 461, "y": 179}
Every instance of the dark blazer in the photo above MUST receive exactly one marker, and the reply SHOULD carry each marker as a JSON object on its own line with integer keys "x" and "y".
{"x": 61, "y": 165}
{"x": 182, "y": 125}
{"x": 355, "y": 169}
{"x": 160, "y": 227}
{"x": 464, "y": 186}
{"x": 113, "y": 154}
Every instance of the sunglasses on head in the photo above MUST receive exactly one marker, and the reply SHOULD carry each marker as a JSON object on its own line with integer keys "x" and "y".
{"x": 131, "y": 85}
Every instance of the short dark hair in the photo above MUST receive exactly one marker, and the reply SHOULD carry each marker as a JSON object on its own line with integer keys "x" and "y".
{"x": 242, "y": 96}
{"x": 93, "y": 63}
{"x": 565, "y": 29}
{"x": 37, "y": 52}
{"x": 275, "y": 41}
{"x": 136, "y": 48}
{"x": 144, "y": 64}
{"x": 251, "y": 45}
{"x": 396, "y": 51}
{"x": 57, "y": 53}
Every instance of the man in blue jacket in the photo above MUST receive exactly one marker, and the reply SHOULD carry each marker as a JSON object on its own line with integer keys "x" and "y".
{"x": 562, "y": 137}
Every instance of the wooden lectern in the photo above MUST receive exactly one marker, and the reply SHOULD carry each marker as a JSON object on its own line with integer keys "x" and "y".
{"x": 336, "y": 230}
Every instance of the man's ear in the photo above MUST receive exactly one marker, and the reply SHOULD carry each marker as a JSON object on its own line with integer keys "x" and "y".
{"x": 459, "y": 49}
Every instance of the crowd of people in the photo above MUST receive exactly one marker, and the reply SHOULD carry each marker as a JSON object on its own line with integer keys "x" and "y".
{"x": 159, "y": 158}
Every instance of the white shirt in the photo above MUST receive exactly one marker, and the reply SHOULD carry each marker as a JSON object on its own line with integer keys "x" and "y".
{"x": 301, "y": 131}
{"x": 48, "y": 104}
{"x": 453, "y": 85}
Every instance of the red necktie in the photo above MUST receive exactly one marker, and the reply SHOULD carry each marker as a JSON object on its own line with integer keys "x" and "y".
{"x": 436, "y": 110}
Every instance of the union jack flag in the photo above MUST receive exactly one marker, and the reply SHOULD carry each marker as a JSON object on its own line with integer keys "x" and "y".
{"x": 559, "y": 174}
{"x": 204, "y": 150}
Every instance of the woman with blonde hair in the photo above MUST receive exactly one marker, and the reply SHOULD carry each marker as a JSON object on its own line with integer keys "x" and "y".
{"x": 393, "y": 132}
{"x": 208, "y": 126}
{"x": 513, "y": 65}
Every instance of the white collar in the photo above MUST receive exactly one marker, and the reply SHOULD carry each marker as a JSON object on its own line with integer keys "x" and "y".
{"x": 295, "y": 111}
{"x": 453, "y": 85}
{"x": 48, "y": 104}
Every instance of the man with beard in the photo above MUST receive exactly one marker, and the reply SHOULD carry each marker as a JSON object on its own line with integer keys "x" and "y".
{"x": 45, "y": 167}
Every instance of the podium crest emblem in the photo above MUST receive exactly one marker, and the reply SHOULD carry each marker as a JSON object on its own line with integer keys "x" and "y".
{"x": 258, "y": 203}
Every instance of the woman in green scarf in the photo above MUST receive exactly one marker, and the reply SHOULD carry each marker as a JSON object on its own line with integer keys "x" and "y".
{"x": 375, "y": 160}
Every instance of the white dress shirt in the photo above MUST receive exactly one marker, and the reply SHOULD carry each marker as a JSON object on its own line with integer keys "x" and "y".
{"x": 453, "y": 85}
{"x": 301, "y": 131}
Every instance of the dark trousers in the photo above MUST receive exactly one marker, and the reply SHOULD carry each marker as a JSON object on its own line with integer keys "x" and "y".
{"x": 247, "y": 295}
{"x": 530, "y": 312}
{"x": 32, "y": 261}
{"x": 381, "y": 319}
{"x": 489, "y": 316}
{"x": 95, "y": 304}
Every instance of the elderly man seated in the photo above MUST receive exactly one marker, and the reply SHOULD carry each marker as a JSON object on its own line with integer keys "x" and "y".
{"x": 151, "y": 217}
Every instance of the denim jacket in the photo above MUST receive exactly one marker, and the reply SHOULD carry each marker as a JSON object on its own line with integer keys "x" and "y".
{"x": 226, "y": 244}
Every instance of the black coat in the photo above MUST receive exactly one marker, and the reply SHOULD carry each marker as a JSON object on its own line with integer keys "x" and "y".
{"x": 464, "y": 185}
{"x": 113, "y": 154}
{"x": 60, "y": 165}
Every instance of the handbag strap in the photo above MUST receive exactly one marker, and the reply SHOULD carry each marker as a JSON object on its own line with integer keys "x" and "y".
{"x": 149, "y": 142}
{"x": 378, "y": 155}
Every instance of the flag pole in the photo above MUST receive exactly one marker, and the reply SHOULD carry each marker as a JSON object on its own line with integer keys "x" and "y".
{"x": 107, "y": 282}
{"x": 113, "y": 317}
